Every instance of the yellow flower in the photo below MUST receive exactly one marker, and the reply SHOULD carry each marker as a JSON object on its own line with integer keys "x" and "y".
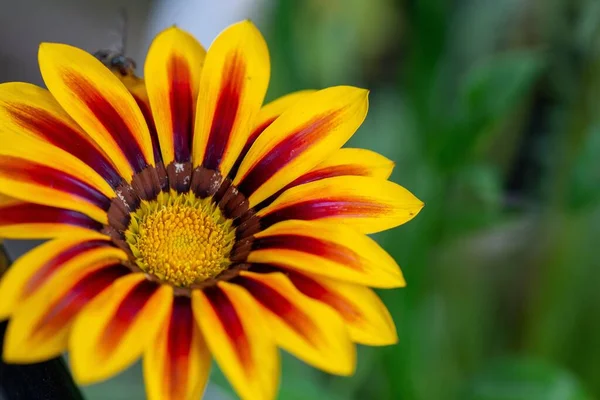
{"x": 187, "y": 219}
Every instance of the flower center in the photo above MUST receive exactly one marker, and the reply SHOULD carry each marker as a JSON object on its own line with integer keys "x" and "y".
{"x": 180, "y": 238}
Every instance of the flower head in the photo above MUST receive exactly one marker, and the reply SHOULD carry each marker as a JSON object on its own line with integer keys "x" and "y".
{"x": 187, "y": 219}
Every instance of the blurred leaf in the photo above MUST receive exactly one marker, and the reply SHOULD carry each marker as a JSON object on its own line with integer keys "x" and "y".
{"x": 299, "y": 381}
{"x": 584, "y": 181}
{"x": 493, "y": 86}
{"x": 491, "y": 90}
{"x": 524, "y": 379}
{"x": 480, "y": 186}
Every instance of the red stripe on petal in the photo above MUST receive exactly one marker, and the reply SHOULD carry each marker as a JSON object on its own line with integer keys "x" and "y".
{"x": 29, "y": 213}
{"x": 147, "y": 113}
{"x": 182, "y": 107}
{"x": 317, "y": 175}
{"x": 27, "y": 171}
{"x": 324, "y": 208}
{"x": 67, "y": 307}
{"x": 256, "y": 133}
{"x": 109, "y": 117}
{"x": 53, "y": 264}
{"x": 287, "y": 150}
{"x": 124, "y": 316}
{"x": 232, "y": 323}
{"x": 280, "y": 306}
{"x": 251, "y": 139}
{"x": 62, "y": 135}
{"x": 330, "y": 172}
{"x": 315, "y": 290}
{"x": 318, "y": 247}
{"x": 226, "y": 110}
{"x": 179, "y": 343}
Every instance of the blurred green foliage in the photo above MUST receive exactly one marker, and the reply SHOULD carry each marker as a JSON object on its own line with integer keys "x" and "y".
{"x": 490, "y": 109}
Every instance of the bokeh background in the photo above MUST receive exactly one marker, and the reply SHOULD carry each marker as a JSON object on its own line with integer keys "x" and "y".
{"x": 490, "y": 109}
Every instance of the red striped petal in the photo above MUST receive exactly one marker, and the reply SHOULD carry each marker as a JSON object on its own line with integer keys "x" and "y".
{"x": 114, "y": 329}
{"x": 137, "y": 88}
{"x": 111, "y": 119}
{"x": 35, "y": 269}
{"x": 182, "y": 100}
{"x": 296, "y": 143}
{"x": 33, "y": 110}
{"x": 226, "y": 110}
{"x": 20, "y": 170}
{"x": 368, "y": 204}
{"x": 176, "y": 366}
{"x": 52, "y": 264}
{"x": 124, "y": 316}
{"x": 232, "y": 324}
{"x": 308, "y": 329}
{"x": 232, "y": 88}
{"x": 278, "y": 304}
{"x": 239, "y": 339}
{"x": 266, "y": 116}
{"x": 23, "y": 220}
{"x": 344, "y": 162}
{"x": 100, "y": 104}
{"x": 368, "y": 320}
{"x": 333, "y": 250}
{"x": 303, "y": 136}
{"x": 39, "y": 329}
{"x": 62, "y": 311}
{"x": 172, "y": 71}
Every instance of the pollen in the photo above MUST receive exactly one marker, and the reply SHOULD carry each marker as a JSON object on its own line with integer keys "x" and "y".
{"x": 180, "y": 239}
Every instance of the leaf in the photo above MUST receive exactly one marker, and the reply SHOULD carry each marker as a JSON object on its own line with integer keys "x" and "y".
{"x": 524, "y": 379}
{"x": 491, "y": 91}
{"x": 584, "y": 182}
{"x": 495, "y": 85}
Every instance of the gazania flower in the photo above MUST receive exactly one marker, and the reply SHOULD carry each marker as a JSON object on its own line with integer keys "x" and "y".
{"x": 187, "y": 219}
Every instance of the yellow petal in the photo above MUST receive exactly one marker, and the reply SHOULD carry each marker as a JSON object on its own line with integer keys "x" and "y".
{"x": 27, "y": 109}
{"x": 367, "y": 318}
{"x": 113, "y": 330}
{"x": 172, "y": 71}
{"x": 99, "y": 103}
{"x": 359, "y": 162}
{"x": 239, "y": 339}
{"x": 332, "y": 250}
{"x": 302, "y": 137}
{"x": 23, "y": 220}
{"x": 232, "y": 89}
{"x": 34, "y": 171}
{"x": 343, "y": 162}
{"x": 39, "y": 329}
{"x": 266, "y": 116}
{"x": 31, "y": 271}
{"x": 304, "y": 327}
{"x": 368, "y": 204}
{"x": 177, "y": 364}
{"x": 137, "y": 88}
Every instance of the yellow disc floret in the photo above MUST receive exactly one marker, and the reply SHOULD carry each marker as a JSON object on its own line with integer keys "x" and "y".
{"x": 180, "y": 239}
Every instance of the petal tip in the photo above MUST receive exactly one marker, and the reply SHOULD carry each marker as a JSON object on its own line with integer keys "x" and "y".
{"x": 79, "y": 374}
{"x": 85, "y": 375}
{"x": 395, "y": 279}
{"x": 13, "y": 353}
{"x": 46, "y": 47}
{"x": 347, "y": 368}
